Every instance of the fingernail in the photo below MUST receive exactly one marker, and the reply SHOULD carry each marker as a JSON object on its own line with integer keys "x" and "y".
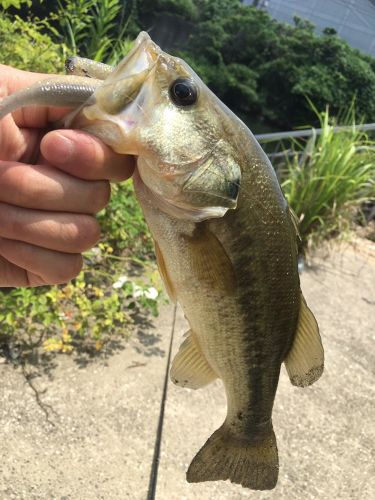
{"x": 62, "y": 150}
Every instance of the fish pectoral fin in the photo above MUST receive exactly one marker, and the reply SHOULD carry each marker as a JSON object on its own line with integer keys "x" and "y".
{"x": 209, "y": 262}
{"x": 164, "y": 273}
{"x": 305, "y": 360}
{"x": 190, "y": 367}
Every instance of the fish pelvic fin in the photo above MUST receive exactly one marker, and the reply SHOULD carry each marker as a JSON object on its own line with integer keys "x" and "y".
{"x": 190, "y": 367}
{"x": 305, "y": 360}
{"x": 253, "y": 464}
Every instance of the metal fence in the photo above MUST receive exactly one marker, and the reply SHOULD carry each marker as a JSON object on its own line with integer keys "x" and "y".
{"x": 279, "y": 137}
{"x": 278, "y": 153}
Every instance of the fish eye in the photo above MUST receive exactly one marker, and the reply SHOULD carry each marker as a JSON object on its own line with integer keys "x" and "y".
{"x": 183, "y": 92}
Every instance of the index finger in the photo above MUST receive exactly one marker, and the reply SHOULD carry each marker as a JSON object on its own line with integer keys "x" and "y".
{"x": 82, "y": 155}
{"x": 13, "y": 80}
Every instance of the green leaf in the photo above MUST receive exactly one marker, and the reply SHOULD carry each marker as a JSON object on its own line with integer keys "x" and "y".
{"x": 5, "y": 4}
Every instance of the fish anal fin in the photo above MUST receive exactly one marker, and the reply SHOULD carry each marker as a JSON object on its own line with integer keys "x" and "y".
{"x": 209, "y": 261}
{"x": 305, "y": 360}
{"x": 253, "y": 464}
{"x": 164, "y": 273}
{"x": 190, "y": 367}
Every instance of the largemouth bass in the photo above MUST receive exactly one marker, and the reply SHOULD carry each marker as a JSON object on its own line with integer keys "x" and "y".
{"x": 225, "y": 240}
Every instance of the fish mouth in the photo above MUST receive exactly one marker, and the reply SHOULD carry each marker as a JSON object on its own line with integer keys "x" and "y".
{"x": 125, "y": 83}
{"x": 112, "y": 112}
{"x": 142, "y": 57}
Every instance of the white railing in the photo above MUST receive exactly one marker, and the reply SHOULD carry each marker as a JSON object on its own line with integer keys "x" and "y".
{"x": 278, "y": 136}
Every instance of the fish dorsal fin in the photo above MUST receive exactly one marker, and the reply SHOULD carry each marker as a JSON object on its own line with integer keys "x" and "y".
{"x": 190, "y": 367}
{"x": 209, "y": 262}
{"x": 305, "y": 360}
{"x": 164, "y": 273}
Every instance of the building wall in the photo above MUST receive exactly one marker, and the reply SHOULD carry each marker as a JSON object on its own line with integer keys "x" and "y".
{"x": 354, "y": 20}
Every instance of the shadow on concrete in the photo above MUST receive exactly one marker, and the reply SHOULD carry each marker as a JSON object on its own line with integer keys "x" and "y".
{"x": 18, "y": 352}
{"x": 147, "y": 336}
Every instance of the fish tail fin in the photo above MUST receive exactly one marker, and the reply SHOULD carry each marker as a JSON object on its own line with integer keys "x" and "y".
{"x": 254, "y": 464}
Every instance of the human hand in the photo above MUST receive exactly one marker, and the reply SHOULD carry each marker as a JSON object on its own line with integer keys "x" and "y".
{"x": 51, "y": 185}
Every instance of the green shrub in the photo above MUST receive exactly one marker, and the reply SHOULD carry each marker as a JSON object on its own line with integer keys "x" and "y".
{"x": 119, "y": 277}
{"x": 119, "y": 280}
{"x": 328, "y": 178}
{"x": 123, "y": 224}
{"x": 5, "y": 4}
{"x": 88, "y": 312}
{"x": 91, "y": 28}
{"x": 281, "y": 63}
{"x": 25, "y": 46}
{"x": 183, "y": 8}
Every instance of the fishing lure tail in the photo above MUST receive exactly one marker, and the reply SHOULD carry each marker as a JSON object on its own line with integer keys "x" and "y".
{"x": 254, "y": 465}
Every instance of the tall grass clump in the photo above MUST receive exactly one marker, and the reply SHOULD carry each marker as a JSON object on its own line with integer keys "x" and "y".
{"x": 95, "y": 29}
{"x": 328, "y": 178}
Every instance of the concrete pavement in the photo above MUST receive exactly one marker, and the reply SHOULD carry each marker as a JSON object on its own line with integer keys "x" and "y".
{"x": 94, "y": 435}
